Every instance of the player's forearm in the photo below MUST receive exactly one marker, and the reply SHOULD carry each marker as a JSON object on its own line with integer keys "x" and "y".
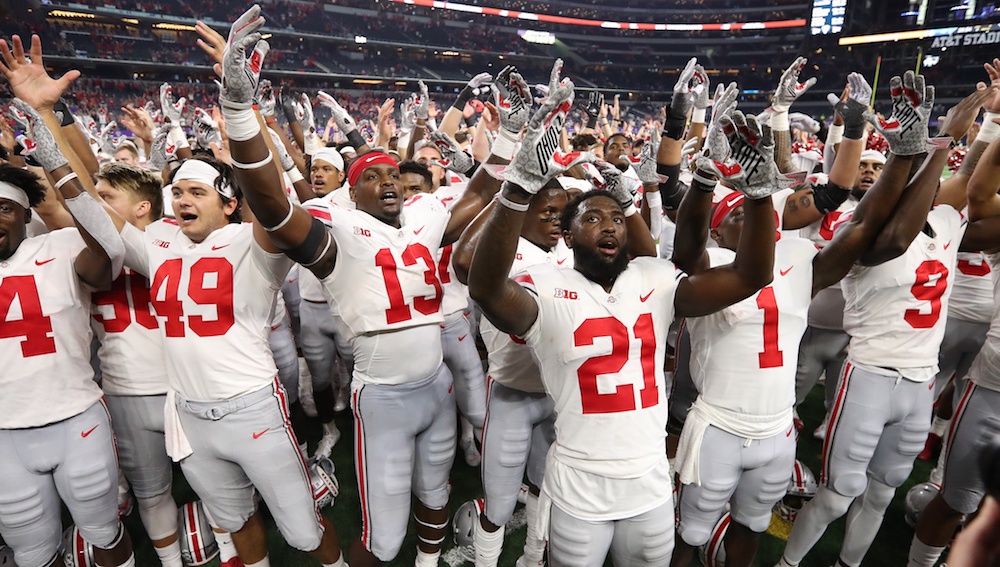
{"x": 783, "y": 151}
{"x": 985, "y": 180}
{"x": 452, "y": 120}
{"x": 262, "y": 187}
{"x": 691, "y": 234}
{"x": 465, "y": 247}
{"x": 494, "y": 256}
{"x": 755, "y": 251}
{"x": 846, "y": 162}
{"x": 481, "y": 190}
{"x": 640, "y": 240}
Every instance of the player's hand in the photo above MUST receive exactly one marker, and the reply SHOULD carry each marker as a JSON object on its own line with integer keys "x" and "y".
{"x": 407, "y": 118}
{"x": 803, "y": 122}
{"x": 20, "y": 120}
{"x": 480, "y": 84}
{"x": 789, "y": 88}
{"x": 725, "y": 101}
{"x": 681, "y": 102}
{"x": 385, "y": 112}
{"x": 267, "y": 102}
{"x": 27, "y": 76}
{"x": 421, "y": 102}
{"x": 961, "y": 117}
{"x": 701, "y": 88}
{"x": 46, "y": 150}
{"x": 287, "y": 163}
{"x": 453, "y": 157}
{"x": 622, "y": 188}
{"x": 107, "y": 139}
{"x": 906, "y": 128}
{"x": 645, "y": 162}
{"x": 993, "y": 71}
{"x": 752, "y": 147}
{"x": 172, "y": 110}
{"x": 306, "y": 119}
{"x": 344, "y": 121}
{"x": 512, "y": 99}
{"x": 594, "y": 103}
{"x": 714, "y": 161}
{"x": 241, "y": 74}
{"x": 853, "y": 107}
{"x": 538, "y": 160}
{"x": 206, "y": 130}
{"x": 160, "y": 151}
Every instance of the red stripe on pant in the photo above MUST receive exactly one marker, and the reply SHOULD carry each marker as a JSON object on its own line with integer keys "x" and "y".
{"x": 359, "y": 467}
{"x": 831, "y": 428}
{"x": 953, "y": 428}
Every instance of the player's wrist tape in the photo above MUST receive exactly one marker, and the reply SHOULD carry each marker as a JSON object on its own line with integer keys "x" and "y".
{"x": 854, "y": 131}
{"x": 356, "y": 139}
{"x": 255, "y": 165}
{"x": 630, "y": 209}
{"x": 503, "y": 145}
{"x": 294, "y": 175}
{"x": 591, "y": 122}
{"x": 698, "y": 116}
{"x": 241, "y": 124}
{"x": 90, "y": 216}
{"x": 65, "y": 179}
{"x": 63, "y": 113}
{"x": 463, "y": 99}
{"x": 779, "y": 120}
{"x": 835, "y": 134}
{"x": 989, "y": 130}
{"x": 703, "y": 182}
{"x": 653, "y": 199}
{"x": 673, "y": 128}
{"x": 830, "y": 196}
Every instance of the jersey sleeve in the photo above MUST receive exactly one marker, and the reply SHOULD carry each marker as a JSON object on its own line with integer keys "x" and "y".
{"x": 274, "y": 267}
{"x": 525, "y": 280}
{"x": 136, "y": 254}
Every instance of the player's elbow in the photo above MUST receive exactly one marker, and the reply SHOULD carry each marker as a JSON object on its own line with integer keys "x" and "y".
{"x": 885, "y": 249}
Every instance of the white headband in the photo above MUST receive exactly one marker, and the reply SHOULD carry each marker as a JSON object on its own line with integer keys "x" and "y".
{"x": 331, "y": 156}
{"x": 202, "y": 172}
{"x": 873, "y": 155}
{"x": 14, "y": 193}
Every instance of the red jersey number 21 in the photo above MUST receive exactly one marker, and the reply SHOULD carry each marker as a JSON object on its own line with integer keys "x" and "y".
{"x": 623, "y": 398}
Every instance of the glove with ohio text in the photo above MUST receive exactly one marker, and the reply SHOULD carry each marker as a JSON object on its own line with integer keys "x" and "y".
{"x": 513, "y": 101}
{"x": 906, "y": 128}
{"x": 538, "y": 159}
{"x": 241, "y": 74}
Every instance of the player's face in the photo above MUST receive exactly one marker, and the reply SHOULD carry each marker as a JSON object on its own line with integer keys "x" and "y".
{"x": 13, "y": 220}
{"x": 125, "y": 156}
{"x": 379, "y": 193}
{"x": 541, "y": 224}
{"x": 868, "y": 173}
{"x": 616, "y": 152}
{"x": 424, "y": 157}
{"x": 325, "y": 177}
{"x": 122, "y": 202}
{"x": 729, "y": 230}
{"x": 414, "y": 183}
{"x": 199, "y": 209}
{"x": 599, "y": 239}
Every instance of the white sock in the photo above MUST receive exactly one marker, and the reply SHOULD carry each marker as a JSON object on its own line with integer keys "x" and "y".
{"x": 864, "y": 521}
{"x": 939, "y": 425}
{"x": 534, "y": 544}
{"x": 467, "y": 431}
{"x": 427, "y": 559}
{"x": 266, "y": 562}
{"x": 338, "y": 563}
{"x": 227, "y": 550}
{"x": 170, "y": 556}
{"x": 923, "y": 555}
{"x": 812, "y": 521}
{"x": 488, "y": 546}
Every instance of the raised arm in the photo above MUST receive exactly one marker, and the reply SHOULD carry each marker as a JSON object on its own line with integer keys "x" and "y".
{"x": 477, "y": 86}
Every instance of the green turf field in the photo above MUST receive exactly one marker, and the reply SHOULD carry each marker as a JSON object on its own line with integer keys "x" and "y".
{"x": 890, "y": 547}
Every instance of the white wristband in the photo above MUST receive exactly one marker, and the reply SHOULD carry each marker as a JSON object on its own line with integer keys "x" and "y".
{"x": 503, "y": 146}
{"x": 294, "y": 175}
{"x": 519, "y": 207}
{"x": 241, "y": 125}
{"x": 653, "y": 199}
{"x": 65, "y": 180}
{"x": 698, "y": 116}
{"x": 835, "y": 134}
{"x": 630, "y": 210}
{"x": 779, "y": 120}
{"x": 989, "y": 130}
{"x": 261, "y": 163}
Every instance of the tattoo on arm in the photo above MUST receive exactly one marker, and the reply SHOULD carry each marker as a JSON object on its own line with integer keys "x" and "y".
{"x": 972, "y": 158}
{"x": 805, "y": 201}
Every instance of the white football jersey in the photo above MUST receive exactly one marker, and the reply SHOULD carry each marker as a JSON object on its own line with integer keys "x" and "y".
{"x": 827, "y": 308}
{"x": 601, "y": 360}
{"x": 895, "y": 312}
{"x": 310, "y": 287}
{"x": 972, "y": 298}
{"x": 456, "y": 294}
{"x": 133, "y": 362}
{"x": 214, "y": 301}
{"x": 44, "y": 333}
{"x": 510, "y": 361}
{"x": 985, "y": 369}
{"x": 744, "y": 358}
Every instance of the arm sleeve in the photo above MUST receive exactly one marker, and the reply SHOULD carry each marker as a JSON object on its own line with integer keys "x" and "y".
{"x": 136, "y": 254}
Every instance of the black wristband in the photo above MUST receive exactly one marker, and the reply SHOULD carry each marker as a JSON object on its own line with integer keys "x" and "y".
{"x": 854, "y": 131}
{"x": 672, "y": 200}
{"x": 669, "y": 187}
{"x": 356, "y": 139}
{"x": 475, "y": 167}
{"x": 828, "y": 197}
{"x": 62, "y": 113}
{"x": 591, "y": 122}
{"x": 673, "y": 128}
{"x": 463, "y": 98}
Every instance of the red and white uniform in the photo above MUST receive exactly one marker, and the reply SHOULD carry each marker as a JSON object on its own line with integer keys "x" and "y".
{"x": 510, "y": 361}
{"x": 44, "y": 333}
{"x": 132, "y": 356}
{"x": 895, "y": 312}
{"x": 601, "y": 360}
{"x": 386, "y": 280}
{"x": 972, "y": 297}
{"x": 214, "y": 301}
{"x": 456, "y": 294}
{"x": 987, "y": 364}
{"x": 827, "y": 309}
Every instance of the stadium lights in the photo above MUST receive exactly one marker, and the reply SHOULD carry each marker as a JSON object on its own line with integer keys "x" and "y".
{"x": 132, "y": 21}
{"x": 360, "y": 39}
{"x": 539, "y": 37}
{"x": 173, "y": 27}
{"x": 68, "y": 14}
{"x": 367, "y": 82}
{"x": 450, "y": 53}
{"x": 931, "y": 60}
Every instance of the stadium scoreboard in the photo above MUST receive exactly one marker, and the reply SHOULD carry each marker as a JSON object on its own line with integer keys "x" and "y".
{"x": 827, "y": 16}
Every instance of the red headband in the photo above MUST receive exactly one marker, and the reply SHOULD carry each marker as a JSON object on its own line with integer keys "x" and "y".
{"x": 725, "y": 206}
{"x": 364, "y": 162}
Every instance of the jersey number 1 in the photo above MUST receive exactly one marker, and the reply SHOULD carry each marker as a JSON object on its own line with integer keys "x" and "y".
{"x": 623, "y": 398}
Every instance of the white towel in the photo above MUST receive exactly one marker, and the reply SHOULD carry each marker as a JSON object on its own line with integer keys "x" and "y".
{"x": 178, "y": 447}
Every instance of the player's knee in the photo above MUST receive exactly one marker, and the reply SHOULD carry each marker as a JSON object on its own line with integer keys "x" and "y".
{"x": 500, "y": 509}
{"x": 387, "y": 547}
{"x": 695, "y": 532}
{"x": 851, "y": 484}
{"x": 305, "y": 540}
{"x": 159, "y": 515}
{"x": 104, "y": 536}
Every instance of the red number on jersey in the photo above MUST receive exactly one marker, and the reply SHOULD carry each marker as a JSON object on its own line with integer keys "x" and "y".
{"x": 772, "y": 357}
{"x": 220, "y": 295}
{"x": 34, "y": 326}
{"x": 924, "y": 292}
{"x": 970, "y": 269}
{"x": 623, "y": 398}
{"x": 398, "y": 310}
{"x": 444, "y": 274}
{"x": 117, "y": 297}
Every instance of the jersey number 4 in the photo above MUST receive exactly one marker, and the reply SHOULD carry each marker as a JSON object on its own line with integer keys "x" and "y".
{"x": 398, "y": 310}
{"x": 33, "y": 325}
{"x": 166, "y": 284}
{"x": 623, "y": 398}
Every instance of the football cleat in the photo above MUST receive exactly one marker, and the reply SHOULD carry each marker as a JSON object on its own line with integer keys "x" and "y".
{"x": 6, "y": 557}
{"x": 326, "y": 443}
{"x": 931, "y": 447}
{"x": 820, "y": 432}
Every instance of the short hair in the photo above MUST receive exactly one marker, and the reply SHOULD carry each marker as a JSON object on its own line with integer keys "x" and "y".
{"x": 226, "y": 177}
{"x": 410, "y": 166}
{"x": 573, "y": 206}
{"x": 615, "y": 135}
{"x": 128, "y": 146}
{"x": 24, "y": 180}
{"x": 583, "y": 141}
{"x": 141, "y": 182}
